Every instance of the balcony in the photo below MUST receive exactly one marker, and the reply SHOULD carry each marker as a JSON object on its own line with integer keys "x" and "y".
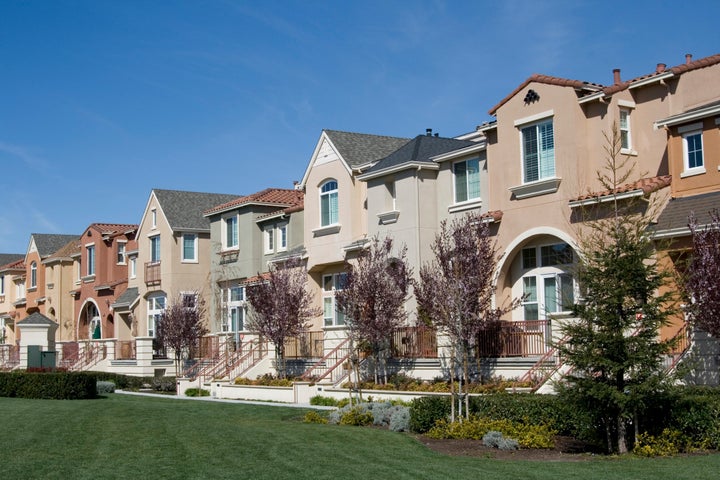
{"x": 152, "y": 273}
{"x": 505, "y": 339}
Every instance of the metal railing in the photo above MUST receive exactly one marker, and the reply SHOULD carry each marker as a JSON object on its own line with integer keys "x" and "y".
{"x": 9, "y": 357}
{"x": 152, "y": 273}
{"x": 503, "y": 339}
{"x": 75, "y": 358}
{"x": 414, "y": 342}
{"x": 334, "y": 366}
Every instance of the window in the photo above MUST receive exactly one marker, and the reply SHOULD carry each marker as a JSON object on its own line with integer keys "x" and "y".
{"x": 329, "y": 203}
{"x": 235, "y": 298}
{"x": 121, "y": 253}
{"x": 133, "y": 267}
{"x": 693, "y": 151}
{"x": 90, "y": 270}
{"x": 625, "y": 138}
{"x": 155, "y": 249}
{"x": 189, "y": 300}
{"x": 189, "y": 247}
{"x": 331, "y": 315}
{"x": 231, "y": 232}
{"x": 153, "y": 218}
{"x": 389, "y": 196}
{"x": 2, "y": 285}
{"x": 467, "y": 180}
{"x": 282, "y": 240}
{"x": 538, "y": 152}
{"x": 269, "y": 236}
{"x": 547, "y": 287}
{"x": 156, "y": 307}
{"x": 33, "y": 275}
{"x": 20, "y": 290}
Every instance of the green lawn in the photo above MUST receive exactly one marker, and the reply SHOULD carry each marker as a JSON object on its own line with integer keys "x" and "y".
{"x": 142, "y": 438}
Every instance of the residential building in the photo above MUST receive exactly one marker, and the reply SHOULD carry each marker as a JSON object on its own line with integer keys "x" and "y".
{"x": 61, "y": 273}
{"x": 11, "y": 265}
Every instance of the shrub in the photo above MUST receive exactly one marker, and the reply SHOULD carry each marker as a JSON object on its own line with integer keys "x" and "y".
{"x": 323, "y": 401}
{"x": 314, "y": 417}
{"x": 668, "y": 443}
{"x": 357, "y": 416}
{"x": 51, "y": 385}
{"x": 496, "y": 439}
{"x": 197, "y": 392}
{"x": 425, "y": 411}
{"x": 105, "y": 387}
{"x": 400, "y": 420}
{"x": 527, "y": 435}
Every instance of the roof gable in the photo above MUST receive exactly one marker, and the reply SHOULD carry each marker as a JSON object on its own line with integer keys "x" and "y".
{"x": 183, "y": 210}
{"x": 277, "y": 197}
{"x": 46, "y": 244}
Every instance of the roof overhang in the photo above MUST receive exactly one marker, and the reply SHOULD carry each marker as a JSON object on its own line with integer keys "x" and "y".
{"x": 397, "y": 168}
{"x": 650, "y": 80}
{"x": 607, "y": 198}
{"x": 462, "y": 152}
{"x": 687, "y": 117}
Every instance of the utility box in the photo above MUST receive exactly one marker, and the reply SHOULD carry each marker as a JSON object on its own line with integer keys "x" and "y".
{"x": 39, "y": 359}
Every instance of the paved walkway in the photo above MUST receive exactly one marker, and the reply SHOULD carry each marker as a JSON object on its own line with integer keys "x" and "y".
{"x": 223, "y": 400}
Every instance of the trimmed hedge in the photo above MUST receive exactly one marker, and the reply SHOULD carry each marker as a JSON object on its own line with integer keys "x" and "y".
{"x": 49, "y": 385}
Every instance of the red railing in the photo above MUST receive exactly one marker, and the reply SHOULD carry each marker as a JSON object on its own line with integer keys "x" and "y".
{"x": 125, "y": 350}
{"x": 334, "y": 365}
{"x": 152, "y": 273}
{"x": 305, "y": 345}
{"x": 9, "y": 357}
{"x": 514, "y": 339}
{"x": 258, "y": 351}
{"x": 75, "y": 359}
{"x": 681, "y": 344}
{"x": 414, "y": 342}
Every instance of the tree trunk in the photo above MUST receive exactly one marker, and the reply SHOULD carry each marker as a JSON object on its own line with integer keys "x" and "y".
{"x": 621, "y": 435}
{"x": 452, "y": 384}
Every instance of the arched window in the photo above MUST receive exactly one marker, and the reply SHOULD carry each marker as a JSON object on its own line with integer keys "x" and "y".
{"x": 33, "y": 275}
{"x": 329, "y": 203}
{"x": 547, "y": 284}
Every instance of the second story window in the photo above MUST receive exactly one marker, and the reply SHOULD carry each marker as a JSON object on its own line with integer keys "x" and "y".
{"x": 329, "y": 203}
{"x": 155, "y": 249}
{"x": 331, "y": 315}
{"x": 133, "y": 267}
{"x": 2, "y": 285}
{"x": 467, "y": 180}
{"x": 282, "y": 239}
{"x": 121, "y": 253}
{"x": 625, "y": 138}
{"x": 189, "y": 247}
{"x": 538, "y": 151}
{"x": 231, "y": 232}
{"x": 693, "y": 161}
{"x": 33, "y": 275}
{"x": 90, "y": 260}
{"x": 269, "y": 237}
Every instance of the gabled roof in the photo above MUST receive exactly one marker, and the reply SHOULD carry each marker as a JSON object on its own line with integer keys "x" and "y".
{"x": 420, "y": 150}
{"x": 65, "y": 252}
{"x": 359, "y": 149}
{"x": 14, "y": 266}
{"x": 548, "y": 80}
{"x": 7, "y": 258}
{"x": 642, "y": 187}
{"x": 278, "y": 197}
{"x": 47, "y": 243}
{"x": 126, "y": 300}
{"x": 673, "y": 220}
{"x": 36, "y": 319}
{"x": 113, "y": 229}
{"x": 184, "y": 210}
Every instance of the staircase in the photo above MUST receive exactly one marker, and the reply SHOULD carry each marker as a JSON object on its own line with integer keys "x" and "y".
{"x": 333, "y": 367}
{"x": 547, "y": 367}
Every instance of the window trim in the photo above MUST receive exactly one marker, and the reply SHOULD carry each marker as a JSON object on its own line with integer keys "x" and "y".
{"x": 330, "y": 194}
{"x": 281, "y": 242}
{"x": 33, "y": 275}
{"x": 195, "y": 258}
{"x": 628, "y": 129}
{"x": 121, "y": 245}
{"x": 152, "y": 300}
{"x": 236, "y": 221}
{"x": 269, "y": 239}
{"x": 690, "y": 131}
{"x": 90, "y": 267}
{"x": 152, "y": 238}
{"x": 337, "y": 316}
{"x": 542, "y": 272}
{"x": 468, "y": 202}
{"x": 523, "y": 156}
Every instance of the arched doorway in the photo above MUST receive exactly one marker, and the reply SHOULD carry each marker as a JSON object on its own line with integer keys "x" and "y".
{"x": 89, "y": 323}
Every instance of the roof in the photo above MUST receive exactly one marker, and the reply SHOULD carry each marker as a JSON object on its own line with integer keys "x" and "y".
{"x": 184, "y": 210}
{"x": 47, "y": 243}
{"x": 36, "y": 319}
{"x": 420, "y": 149}
{"x": 548, "y": 80}
{"x": 673, "y": 220}
{"x": 113, "y": 229}
{"x": 643, "y": 186}
{"x": 358, "y": 149}
{"x": 66, "y": 251}
{"x": 127, "y": 298}
{"x": 17, "y": 265}
{"x": 695, "y": 113}
{"x": 493, "y": 216}
{"x": 7, "y": 258}
{"x": 270, "y": 196}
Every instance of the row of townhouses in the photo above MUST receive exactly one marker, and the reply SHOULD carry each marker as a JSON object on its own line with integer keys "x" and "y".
{"x": 95, "y": 297}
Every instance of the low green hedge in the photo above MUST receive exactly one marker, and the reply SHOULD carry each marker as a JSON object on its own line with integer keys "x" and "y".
{"x": 48, "y": 385}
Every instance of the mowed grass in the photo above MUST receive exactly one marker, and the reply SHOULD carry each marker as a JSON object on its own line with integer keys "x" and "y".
{"x": 140, "y": 438}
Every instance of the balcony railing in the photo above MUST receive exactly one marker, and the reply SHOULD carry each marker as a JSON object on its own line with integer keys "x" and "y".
{"x": 514, "y": 339}
{"x": 9, "y": 357}
{"x": 306, "y": 345}
{"x": 152, "y": 273}
{"x": 125, "y": 350}
{"x": 414, "y": 342}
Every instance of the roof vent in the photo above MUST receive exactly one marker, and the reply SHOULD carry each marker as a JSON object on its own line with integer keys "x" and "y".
{"x": 428, "y": 132}
{"x": 688, "y": 58}
{"x": 660, "y": 68}
{"x": 616, "y": 76}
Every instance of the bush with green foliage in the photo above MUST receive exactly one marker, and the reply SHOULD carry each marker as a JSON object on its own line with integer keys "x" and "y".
{"x": 425, "y": 411}
{"x": 357, "y": 416}
{"x": 322, "y": 401}
{"x": 527, "y": 435}
{"x": 48, "y": 385}
{"x": 314, "y": 416}
{"x": 667, "y": 444}
{"x": 197, "y": 392}
{"x": 105, "y": 387}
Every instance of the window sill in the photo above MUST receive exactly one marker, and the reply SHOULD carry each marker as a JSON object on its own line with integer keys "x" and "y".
{"x": 88, "y": 279}
{"x": 389, "y": 217}
{"x": 328, "y": 230}
{"x": 189, "y": 261}
{"x": 534, "y": 189}
{"x": 467, "y": 205}
{"x": 32, "y": 289}
{"x": 628, "y": 151}
{"x": 335, "y": 327}
{"x": 693, "y": 172}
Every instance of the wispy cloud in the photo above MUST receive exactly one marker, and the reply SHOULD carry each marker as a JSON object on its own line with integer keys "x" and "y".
{"x": 24, "y": 154}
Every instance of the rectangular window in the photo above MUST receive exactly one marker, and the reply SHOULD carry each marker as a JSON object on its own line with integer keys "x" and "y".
{"x": 155, "y": 248}
{"x": 389, "y": 196}
{"x": 90, "y": 260}
{"x": 558, "y": 254}
{"x": 467, "y": 180}
{"x": 189, "y": 247}
{"x": 693, "y": 151}
{"x": 133, "y": 267}
{"x": 121, "y": 252}
{"x": 625, "y": 139}
{"x": 156, "y": 306}
{"x": 235, "y": 310}
{"x": 282, "y": 239}
{"x": 538, "y": 146}
{"x": 231, "y": 232}
{"x": 530, "y": 302}
{"x": 329, "y": 203}
{"x": 153, "y": 216}
{"x": 529, "y": 258}
{"x": 269, "y": 234}
{"x": 332, "y": 283}
{"x": 2, "y": 285}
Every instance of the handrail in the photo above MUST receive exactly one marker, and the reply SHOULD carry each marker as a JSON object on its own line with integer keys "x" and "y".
{"x": 528, "y": 377}
{"x": 321, "y": 364}
{"x": 248, "y": 361}
{"x": 683, "y": 340}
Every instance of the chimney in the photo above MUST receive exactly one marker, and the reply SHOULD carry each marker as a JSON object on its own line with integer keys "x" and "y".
{"x": 428, "y": 132}
{"x": 616, "y": 76}
{"x": 688, "y": 58}
{"x": 660, "y": 68}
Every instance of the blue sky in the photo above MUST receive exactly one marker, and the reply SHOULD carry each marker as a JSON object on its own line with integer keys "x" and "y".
{"x": 101, "y": 101}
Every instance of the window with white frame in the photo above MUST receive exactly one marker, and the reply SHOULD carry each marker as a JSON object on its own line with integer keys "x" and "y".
{"x": 155, "y": 249}
{"x": 331, "y": 284}
{"x": 282, "y": 237}
{"x": 133, "y": 267}
{"x": 547, "y": 285}
{"x": 33, "y": 275}
{"x": 269, "y": 238}
{"x": 90, "y": 270}
{"x": 467, "y": 180}
{"x": 2, "y": 285}
{"x": 189, "y": 247}
{"x": 155, "y": 309}
{"x": 236, "y": 304}
{"x": 625, "y": 136}
{"x": 329, "y": 203}
{"x": 390, "y": 196}
{"x": 231, "y": 234}
{"x": 20, "y": 289}
{"x": 693, "y": 161}
{"x": 153, "y": 218}
{"x": 538, "y": 151}
{"x": 121, "y": 259}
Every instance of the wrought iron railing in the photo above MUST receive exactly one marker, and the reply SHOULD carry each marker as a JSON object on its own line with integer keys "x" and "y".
{"x": 152, "y": 273}
{"x": 514, "y": 339}
{"x": 305, "y": 345}
{"x": 414, "y": 342}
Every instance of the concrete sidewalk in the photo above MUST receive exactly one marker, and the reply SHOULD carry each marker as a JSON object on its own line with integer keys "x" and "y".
{"x": 221, "y": 400}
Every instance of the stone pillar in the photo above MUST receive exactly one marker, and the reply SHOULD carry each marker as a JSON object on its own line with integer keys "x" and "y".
{"x": 39, "y": 330}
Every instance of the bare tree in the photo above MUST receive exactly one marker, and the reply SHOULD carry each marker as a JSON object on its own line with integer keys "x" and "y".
{"x": 455, "y": 291}
{"x": 702, "y": 276}
{"x": 281, "y": 306}
{"x": 373, "y": 298}
{"x": 181, "y": 326}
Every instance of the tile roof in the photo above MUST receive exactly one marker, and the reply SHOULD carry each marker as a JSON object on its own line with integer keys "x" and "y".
{"x": 47, "y": 243}
{"x": 17, "y": 265}
{"x": 184, "y": 210}
{"x": 68, "y": 250}
{"x": 127, "y": 298}
{"x": 113, "y": 229}
{"x": 7, "y": 258}
{"x": 548, "y": 80}
{"x": 646, "y": 185}
{"x": 674, "y": 216}
{"x": 359, "y": 149}
{"x": 269, "y": 196}
{"x": 420, "y": 149}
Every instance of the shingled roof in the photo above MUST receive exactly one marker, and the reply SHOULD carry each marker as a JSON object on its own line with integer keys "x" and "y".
{"x": 278, "y": 197}
{"x": 47, "y": 243}
{"x": 359, "y": 149}
{"x": 67, "y": 251}
{"x": 184, "y": 210}
{"x": 8, "y": 258}
{"x": 673, "y": 220}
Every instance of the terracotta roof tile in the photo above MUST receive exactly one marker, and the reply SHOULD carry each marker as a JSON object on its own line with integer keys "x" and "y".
{"x": 493, "y": 216}
{"x": 646, "y": 185}
{"x": 113, "y": 228}
{"x": 549, "y": 80}
{"x": 16, "y": 265}
{"x": 273, "y": 196}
